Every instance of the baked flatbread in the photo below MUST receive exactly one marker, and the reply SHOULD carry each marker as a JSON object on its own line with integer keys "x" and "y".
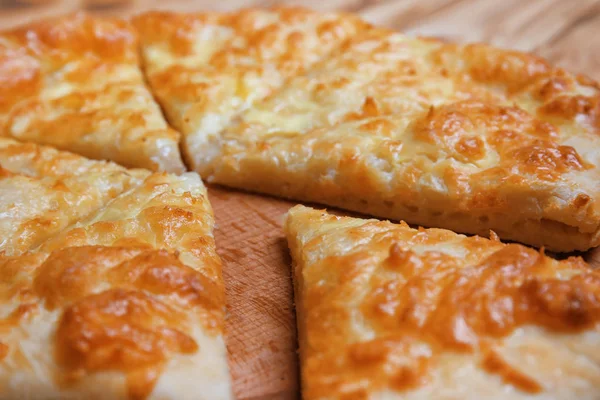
{"x": 469, "y": 138}
{"x": 126, "y": 303}
{"x": 389, "y": 312}
{"x": 205, "y": 68}
{"x": 43, "y": 191}
{"x": 75, "y": 83}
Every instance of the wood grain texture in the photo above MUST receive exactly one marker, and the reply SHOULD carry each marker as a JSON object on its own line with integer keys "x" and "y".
{"x": 261, "y": 333}
{"x": 260, "y": 323}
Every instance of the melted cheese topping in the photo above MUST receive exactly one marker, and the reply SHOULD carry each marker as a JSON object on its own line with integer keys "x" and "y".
{"x": 470, "y": 132}
{"x": 42, "y": 191}
{"x": 123, "y": 299}
{"x": 387, "y": 310}
{"x": 75, "y": 83}
{"x": 206, "y": 68}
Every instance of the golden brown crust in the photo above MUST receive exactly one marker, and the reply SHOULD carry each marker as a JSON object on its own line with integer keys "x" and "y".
{"x": 125, "y": 301}
{"x": 386, "y": 310}
{"x": 206, "y": 68}
{"x": 469, "y": 138}
{"x": 75, "y": 83}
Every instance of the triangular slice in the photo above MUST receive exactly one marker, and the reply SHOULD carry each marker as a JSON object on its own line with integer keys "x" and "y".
{"x": 389, "y": 312}
{"x": 42, "y": 191}
{"x": 205, "y": 68}
{"x": 128, "y": 304}
{"x": 75, "y": 83}
{"x": 469, "y": 138}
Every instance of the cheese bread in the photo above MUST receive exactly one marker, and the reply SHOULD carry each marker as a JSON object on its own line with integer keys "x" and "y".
{"x": 43, "y": 191}
{"x": 205, "y": 68}
{"x": 125, "y": 303}
{"x": 75, "y": 83}
{"x": 389, "y": 312}
{"x": 469, "y": 138}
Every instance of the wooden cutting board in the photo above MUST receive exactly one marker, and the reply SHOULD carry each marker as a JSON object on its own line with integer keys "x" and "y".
{"x": 261, "y": 330}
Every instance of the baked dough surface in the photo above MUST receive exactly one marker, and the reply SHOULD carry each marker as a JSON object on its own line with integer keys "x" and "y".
{"x": 122, "y": 298}
{"x": 206, "y": 68}
{"x": 469, "y": 138}
{"x": 389, "y": 312}
{"x": 43, "y": 191}
{"x": 75, "y": 83}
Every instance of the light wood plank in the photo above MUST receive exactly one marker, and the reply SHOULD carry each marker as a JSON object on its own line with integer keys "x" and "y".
{"x": 260, "y": 324}
{"x": 577, "y": 46}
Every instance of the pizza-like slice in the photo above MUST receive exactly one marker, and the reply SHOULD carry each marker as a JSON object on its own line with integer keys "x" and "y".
{"x": 43, "y": 191}
{"x": 206, "y": 68}
{"x": 127, "y": 303}
{"x": 75, "y": 83}
{"x": 389, "y": 312}
{"x": 468, "y": 138}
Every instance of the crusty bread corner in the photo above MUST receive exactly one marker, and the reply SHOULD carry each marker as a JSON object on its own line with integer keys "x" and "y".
{"x": 389, "y": 312}
{"x": 468, "y": 138}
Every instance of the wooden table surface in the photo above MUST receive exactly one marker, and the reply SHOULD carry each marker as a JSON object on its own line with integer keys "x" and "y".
{"x": 261, "y": 331}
